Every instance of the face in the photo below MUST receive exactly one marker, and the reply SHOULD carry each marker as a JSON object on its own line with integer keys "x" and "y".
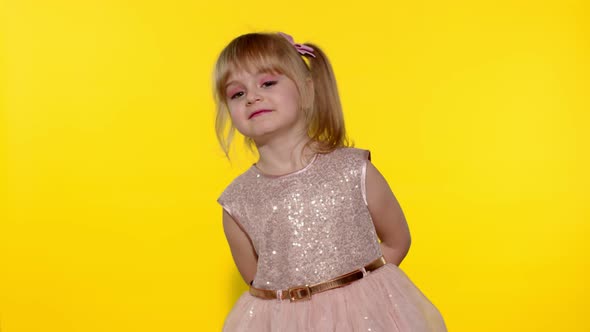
{"x": 264, "y": 104}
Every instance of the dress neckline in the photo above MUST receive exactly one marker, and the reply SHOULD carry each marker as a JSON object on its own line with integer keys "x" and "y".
{"x": 306, "y": 167}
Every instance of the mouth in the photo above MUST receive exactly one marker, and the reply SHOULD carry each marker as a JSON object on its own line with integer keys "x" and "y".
{"x": 257, "y": 113}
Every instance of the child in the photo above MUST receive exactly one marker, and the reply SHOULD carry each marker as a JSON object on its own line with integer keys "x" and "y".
{"x": 304, "y": 222}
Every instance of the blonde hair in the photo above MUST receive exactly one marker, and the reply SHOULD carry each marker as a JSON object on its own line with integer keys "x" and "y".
{"x": 271, "y": 52}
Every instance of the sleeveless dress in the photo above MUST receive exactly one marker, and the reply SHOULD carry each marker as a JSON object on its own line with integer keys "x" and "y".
{"x": 310, "y": 226}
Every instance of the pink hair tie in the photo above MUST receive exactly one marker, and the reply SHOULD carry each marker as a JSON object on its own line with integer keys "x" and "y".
{"x": 302, "y": 49}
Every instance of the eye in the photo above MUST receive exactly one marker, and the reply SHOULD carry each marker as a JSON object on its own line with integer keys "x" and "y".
{"x": 237, "y": 95}
{"x": 269, "y": 83}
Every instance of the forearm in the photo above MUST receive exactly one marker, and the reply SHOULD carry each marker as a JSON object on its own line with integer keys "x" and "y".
{"x": 394, "y": 254}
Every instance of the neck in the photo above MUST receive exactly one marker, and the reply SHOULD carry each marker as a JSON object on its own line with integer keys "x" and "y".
{"x": 284, "y": 155}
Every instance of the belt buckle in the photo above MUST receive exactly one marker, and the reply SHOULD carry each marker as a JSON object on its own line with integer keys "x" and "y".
{"x": 299, "y": 293}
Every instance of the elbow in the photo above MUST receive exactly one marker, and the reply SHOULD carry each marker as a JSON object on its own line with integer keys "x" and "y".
{"x": 395, "y": 254}
{"x": 407, "y": 246}
{"x": 404, "y": 249}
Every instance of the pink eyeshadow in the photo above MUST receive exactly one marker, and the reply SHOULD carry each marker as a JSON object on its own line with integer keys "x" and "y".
{"x": 231, "y": 92}
{"x": 268, "y": 77}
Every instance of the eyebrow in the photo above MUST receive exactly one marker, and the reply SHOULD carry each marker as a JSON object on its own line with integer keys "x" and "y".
{"x": 257, "y": 73}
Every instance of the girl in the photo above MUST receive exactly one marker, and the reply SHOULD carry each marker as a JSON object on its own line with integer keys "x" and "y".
{"x": 312, "y": 226}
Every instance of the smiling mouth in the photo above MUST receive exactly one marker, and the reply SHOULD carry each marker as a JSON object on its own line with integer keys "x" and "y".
{"x": 258, "y": 113}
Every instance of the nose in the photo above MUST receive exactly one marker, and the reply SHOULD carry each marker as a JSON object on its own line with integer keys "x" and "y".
{"x": 253, "y": 97}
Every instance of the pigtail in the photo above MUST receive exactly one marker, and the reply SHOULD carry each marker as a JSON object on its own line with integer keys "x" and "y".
{"x": 326, "y": 119}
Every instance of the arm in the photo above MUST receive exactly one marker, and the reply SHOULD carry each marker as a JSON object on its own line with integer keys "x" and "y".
{"x": 241, "y": 248}
{"x": 388, "y": 218}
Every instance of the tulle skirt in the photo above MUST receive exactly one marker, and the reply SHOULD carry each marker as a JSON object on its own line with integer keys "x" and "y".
{"x": 385, "y": 300}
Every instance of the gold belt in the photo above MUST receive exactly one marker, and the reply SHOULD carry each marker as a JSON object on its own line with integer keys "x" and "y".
{"x": 305, "y": 292}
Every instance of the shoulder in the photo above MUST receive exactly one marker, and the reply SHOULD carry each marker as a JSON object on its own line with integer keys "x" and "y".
{"x": 350, "y": 153}
{"x": 352, "y": 161}
{"x": 233, "y": 189}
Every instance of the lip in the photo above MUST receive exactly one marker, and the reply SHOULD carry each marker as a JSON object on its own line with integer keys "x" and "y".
{"x": 258, "y": 112}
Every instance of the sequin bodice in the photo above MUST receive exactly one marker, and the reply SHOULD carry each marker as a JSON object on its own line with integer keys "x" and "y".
{"x": 309, "y": 226}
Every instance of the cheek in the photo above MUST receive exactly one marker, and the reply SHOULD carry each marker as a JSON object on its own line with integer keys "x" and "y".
{"x": 233, "y": 116}
{"x": 233, "y": 109}
{"x": 236, "y": 118}
{"x": 296, "y": 101}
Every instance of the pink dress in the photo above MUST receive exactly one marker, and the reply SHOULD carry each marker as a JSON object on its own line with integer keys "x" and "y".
{"x": 311, "y": 226}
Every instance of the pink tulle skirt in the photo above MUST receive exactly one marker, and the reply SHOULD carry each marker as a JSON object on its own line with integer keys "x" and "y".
{"x": 385, "y": 300}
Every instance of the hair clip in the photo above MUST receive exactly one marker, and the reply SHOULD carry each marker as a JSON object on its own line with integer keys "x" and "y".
{"x": 302, "y": 49}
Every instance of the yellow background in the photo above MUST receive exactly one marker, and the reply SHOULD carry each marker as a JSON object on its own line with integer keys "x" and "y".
{"x": 476, "y": 112}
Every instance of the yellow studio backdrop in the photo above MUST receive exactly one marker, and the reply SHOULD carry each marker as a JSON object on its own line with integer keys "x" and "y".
{"x": 476, "y": 112}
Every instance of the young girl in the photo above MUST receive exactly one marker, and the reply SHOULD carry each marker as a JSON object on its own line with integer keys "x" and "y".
{"x": 313, "y": 227}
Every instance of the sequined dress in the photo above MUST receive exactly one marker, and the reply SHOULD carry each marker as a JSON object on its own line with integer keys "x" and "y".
{"x": 310, "y": 226}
